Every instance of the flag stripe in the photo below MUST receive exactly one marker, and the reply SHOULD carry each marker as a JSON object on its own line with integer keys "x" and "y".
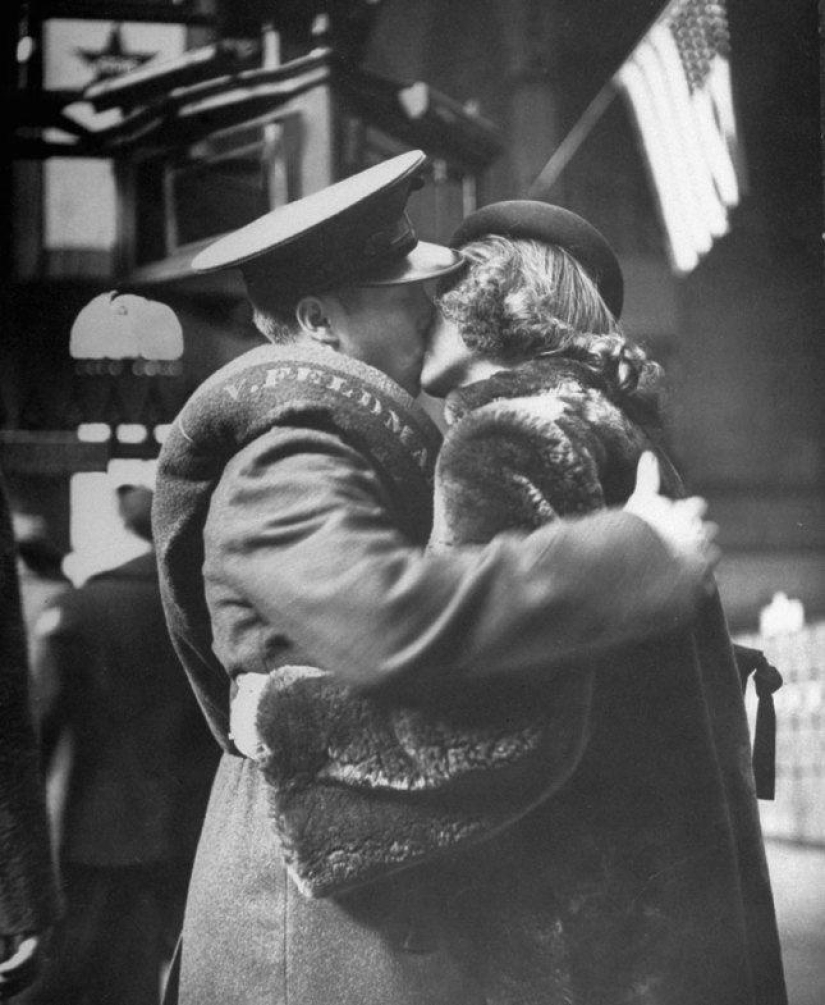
{"x": 665, "y": 134}
{"x": 681, "y": 245}
{"x": 676, "y": 95}
{"x": 677, "y": 83}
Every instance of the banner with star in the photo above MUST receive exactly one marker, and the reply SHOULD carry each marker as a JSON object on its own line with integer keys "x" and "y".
{"x": 76, "y": 53}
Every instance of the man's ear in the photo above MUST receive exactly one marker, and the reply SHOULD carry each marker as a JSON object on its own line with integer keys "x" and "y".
{"x": 313, "y": 318}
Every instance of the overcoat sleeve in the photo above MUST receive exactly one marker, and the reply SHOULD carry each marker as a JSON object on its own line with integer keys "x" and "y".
{"x": 301, "y": 529}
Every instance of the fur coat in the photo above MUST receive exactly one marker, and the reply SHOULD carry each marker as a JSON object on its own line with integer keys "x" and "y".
{"x": 621, "y": 853}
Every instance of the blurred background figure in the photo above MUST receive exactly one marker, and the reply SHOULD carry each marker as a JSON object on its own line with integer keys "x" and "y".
{"x": 27, "y": 893}
{"x": 130, "y": 761}
{"x": 41, "y": 576}
{"x": 42, "y": 582}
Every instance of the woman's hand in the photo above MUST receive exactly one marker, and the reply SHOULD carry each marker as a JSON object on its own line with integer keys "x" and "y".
{"x": 680, "y": 523}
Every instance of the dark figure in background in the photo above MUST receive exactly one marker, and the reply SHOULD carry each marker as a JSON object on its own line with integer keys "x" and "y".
{"x": 27, "y": 893}
{"x": 141, "y": 763}
{"x": 42, "y": 580}
{"x": 42, "y": 583}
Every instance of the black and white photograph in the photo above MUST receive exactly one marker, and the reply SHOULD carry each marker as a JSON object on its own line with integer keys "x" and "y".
{"x": 412, "y": 503}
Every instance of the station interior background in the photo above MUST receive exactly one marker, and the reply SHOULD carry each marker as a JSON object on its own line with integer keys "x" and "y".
{"x": 126, "y": 153}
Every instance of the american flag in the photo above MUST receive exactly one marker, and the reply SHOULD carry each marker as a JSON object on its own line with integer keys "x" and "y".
{"x": 677, "y": 81}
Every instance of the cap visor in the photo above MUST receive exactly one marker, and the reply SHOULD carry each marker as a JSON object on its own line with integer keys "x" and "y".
{"x": 425, "y": 261}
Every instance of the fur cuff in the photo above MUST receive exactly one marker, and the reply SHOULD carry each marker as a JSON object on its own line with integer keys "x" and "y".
{"x": 360, "y": 789}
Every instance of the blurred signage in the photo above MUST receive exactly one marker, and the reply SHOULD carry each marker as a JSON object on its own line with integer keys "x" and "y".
{"x": 80, "y": 51}
{"x": 128, "y": 10}
{"x": 114, "y": 57}
{"x": 76, "y": 53}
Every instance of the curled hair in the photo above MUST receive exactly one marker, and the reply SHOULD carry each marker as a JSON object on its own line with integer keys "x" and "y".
{"x": 519, "y": 299}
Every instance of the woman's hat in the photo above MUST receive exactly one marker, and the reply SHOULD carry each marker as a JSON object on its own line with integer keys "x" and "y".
{"x": 527, "y": 219}
{"x": 355, "y": 231}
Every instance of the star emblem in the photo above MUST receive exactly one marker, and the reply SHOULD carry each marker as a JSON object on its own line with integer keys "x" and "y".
{"x": 113, "y": 59}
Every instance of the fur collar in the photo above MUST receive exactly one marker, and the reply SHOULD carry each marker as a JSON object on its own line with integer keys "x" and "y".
{"x": 565, "y": 378}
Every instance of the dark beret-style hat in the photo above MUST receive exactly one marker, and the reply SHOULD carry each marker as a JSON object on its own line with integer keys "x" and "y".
{"x": 356, "y": 230}
{"x": 528, "y": 219}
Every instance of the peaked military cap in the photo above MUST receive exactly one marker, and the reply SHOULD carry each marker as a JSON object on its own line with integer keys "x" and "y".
{"x": 528, "y": 219}
{"x": 355, "y": 231}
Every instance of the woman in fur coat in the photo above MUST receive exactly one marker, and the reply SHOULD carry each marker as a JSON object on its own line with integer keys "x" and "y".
{"x": 643, "y": 878}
